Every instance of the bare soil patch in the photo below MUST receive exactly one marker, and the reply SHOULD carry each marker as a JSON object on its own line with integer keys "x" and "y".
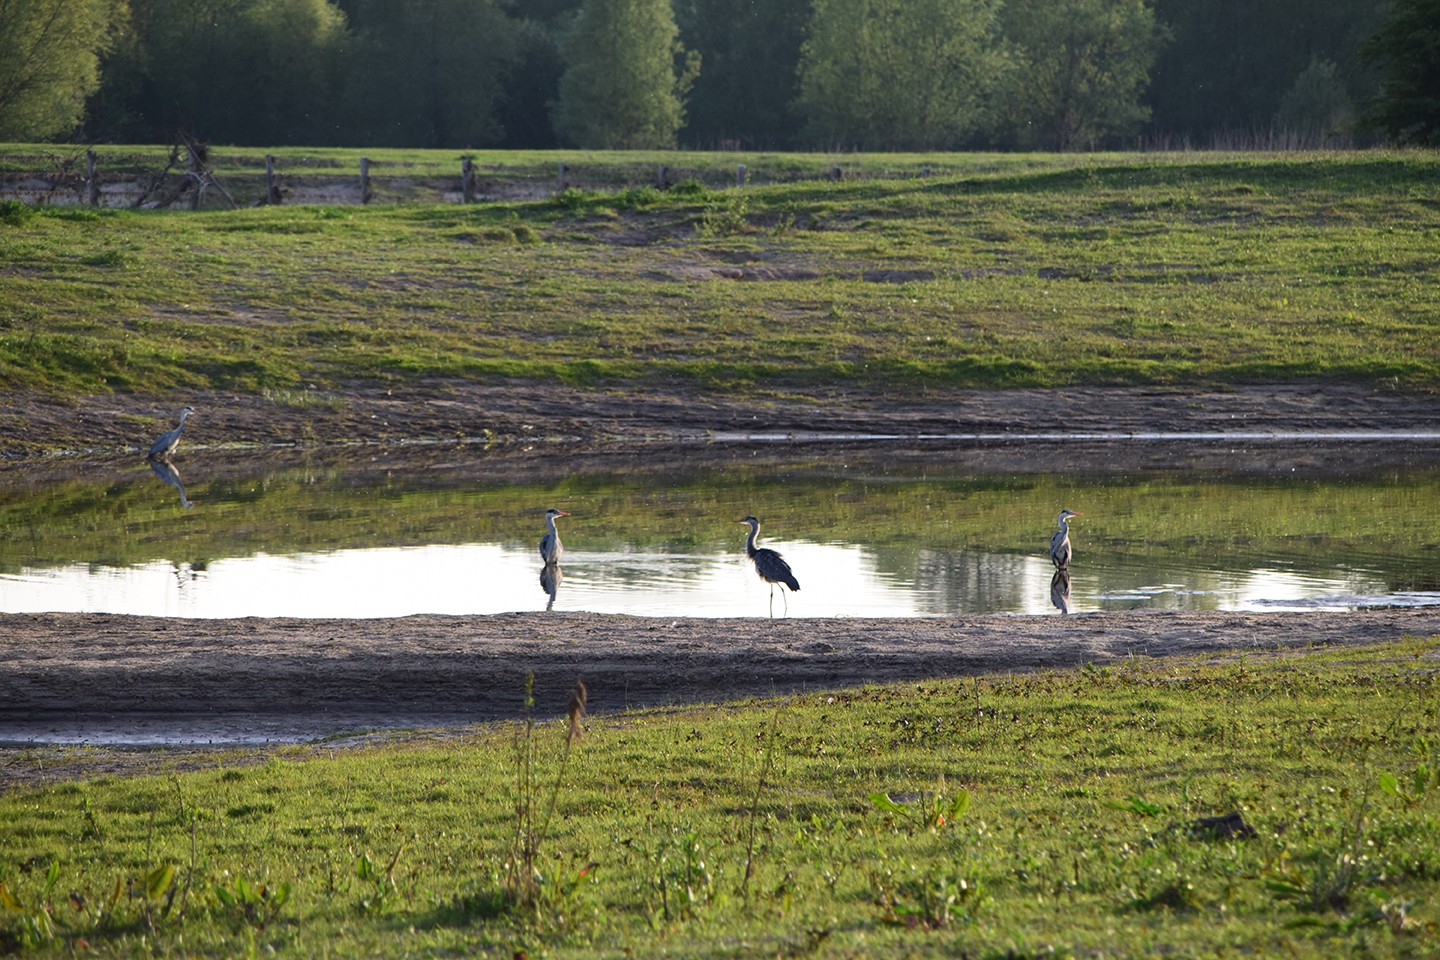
{"x": 447, "y": 411}
{"x": 111, "y": 678}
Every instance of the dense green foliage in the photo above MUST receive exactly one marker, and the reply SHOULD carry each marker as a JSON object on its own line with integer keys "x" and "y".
{"x": 49, "y": 61}
{"x": 1265, "y": 803}
{"x": 620, "y": 89}
{"x": 1083, "y": 68}
{"x": 1408, "y": 46}
{"x": 944, "y": 54}
{"x": 1229, "y": 67}
{"x": 938, "y": 73}
{"x": 1016, "y": 270}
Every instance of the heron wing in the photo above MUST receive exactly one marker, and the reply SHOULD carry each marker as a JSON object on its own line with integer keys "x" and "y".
{"x": 165, "y": 444}
{"x": 773, "y": 568}
{"x": 1060, "y": 549}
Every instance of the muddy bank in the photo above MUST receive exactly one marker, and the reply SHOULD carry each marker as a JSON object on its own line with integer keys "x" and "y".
{"x": 119, "y": 679}
{"x": 449, "y": 412}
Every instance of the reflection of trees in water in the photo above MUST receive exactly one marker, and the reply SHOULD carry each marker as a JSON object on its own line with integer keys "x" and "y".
{"x": 971, "y": 582}
{"x": 960, "y": 581}
{"x": 659, "y": 570}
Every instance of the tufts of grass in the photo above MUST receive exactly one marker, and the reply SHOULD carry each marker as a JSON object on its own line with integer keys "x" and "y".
{"x": 992, "y": 272}
{"x": 1077, "y": 812}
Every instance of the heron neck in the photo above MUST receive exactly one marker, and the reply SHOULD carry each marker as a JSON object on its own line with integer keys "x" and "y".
{"x": 750, "y": 540}
{"x": 550, "y": 522}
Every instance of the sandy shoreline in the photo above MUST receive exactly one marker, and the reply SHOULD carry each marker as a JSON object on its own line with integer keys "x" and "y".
{"x": 108, "y": 679}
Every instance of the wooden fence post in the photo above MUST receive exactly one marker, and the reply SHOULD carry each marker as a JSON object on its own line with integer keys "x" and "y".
{"x": 92, "y": 188}
{"x": 272, "y": 189}
{"x": 467, "y": 180}
{"x": 740, "y": 175}
{"x": 365, "y": 180}
{"x": 564, "y": 177}
{"x": 661, "y": 176}
{"x": 197, "y": 176}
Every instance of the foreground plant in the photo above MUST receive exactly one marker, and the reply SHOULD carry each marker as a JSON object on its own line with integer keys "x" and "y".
{"x": 524, "y": 880}
{"x": 1175, "y": 807}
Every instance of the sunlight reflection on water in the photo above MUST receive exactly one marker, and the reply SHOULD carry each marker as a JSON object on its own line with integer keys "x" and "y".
{"x": 836, "y": 580}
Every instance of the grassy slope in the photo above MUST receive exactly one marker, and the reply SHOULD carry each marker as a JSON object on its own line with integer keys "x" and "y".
{"x": 1042, "y": 271}
{"x": 1083, "y": 788}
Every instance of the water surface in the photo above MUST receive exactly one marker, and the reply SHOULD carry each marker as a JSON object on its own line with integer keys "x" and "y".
{"x": 871, "y": 529}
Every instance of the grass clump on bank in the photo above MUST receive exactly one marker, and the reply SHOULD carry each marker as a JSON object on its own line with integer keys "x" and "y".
{"x": 1046, "y": 271}
{"x": 1261, "y": 803}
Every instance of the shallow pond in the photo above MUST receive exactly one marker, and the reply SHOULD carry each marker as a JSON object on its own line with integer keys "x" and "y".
{"x": 870, "y": 529}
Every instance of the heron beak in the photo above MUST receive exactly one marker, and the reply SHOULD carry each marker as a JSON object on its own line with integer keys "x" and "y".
{"x": 562, "y": 513}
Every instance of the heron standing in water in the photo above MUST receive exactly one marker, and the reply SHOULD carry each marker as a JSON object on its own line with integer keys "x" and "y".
{"x": 1060, "y": 542}
{"x": 165, "y": 445}
{"x": 771, "y": 567}
{"x": 551, "y": 549}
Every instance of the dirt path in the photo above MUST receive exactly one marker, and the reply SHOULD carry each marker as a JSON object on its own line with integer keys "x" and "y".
{"x": 109, "y": 678}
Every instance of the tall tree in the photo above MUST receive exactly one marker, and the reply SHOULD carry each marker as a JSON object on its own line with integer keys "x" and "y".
{"x": 289, "y": 61}
{"x": 523, "y": 110}
{"x": 49, "y": 62}
{"x": 428, "y": 73}
{"x": 898, "y": 74}
{"x": 626, "y": 76}
{"x": 240, "y": 71}
{"x": 1231, "y": 63}
{"x": 745, "y": 96}
{"x": 1082, "y": 69}
{"x": 1408, "y": 48}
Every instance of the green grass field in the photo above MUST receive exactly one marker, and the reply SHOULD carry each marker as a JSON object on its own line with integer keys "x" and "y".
{"x": 1035, "y": 271}
{"x": 1053, "y": 814}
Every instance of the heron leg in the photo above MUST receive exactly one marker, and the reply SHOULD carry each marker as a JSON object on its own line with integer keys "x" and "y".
{"x": 772, "y": 601}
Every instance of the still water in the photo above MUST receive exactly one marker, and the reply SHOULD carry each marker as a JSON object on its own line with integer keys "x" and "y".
{"x": 923, "y": 530}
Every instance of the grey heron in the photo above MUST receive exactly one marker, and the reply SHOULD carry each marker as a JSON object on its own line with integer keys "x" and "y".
{"x": 551, "y": 549}
{"x": 771, "y": 567}
{"x": 166, "y": 443}
{"x": 1060, "y": 542}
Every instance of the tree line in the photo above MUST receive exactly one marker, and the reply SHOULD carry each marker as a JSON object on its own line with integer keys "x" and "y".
{"x": 717, "y": 74}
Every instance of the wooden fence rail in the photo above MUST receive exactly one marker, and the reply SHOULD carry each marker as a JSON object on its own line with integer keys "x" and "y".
{"x": 196, "y": 181}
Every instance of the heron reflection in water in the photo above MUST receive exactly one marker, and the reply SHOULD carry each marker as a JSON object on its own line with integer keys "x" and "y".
{"x": 1060, "y": 589}
{"x": 167, "y": 472}
{"x": 769, "y": 565}
{"x": 550, "y": 577}
{"x": 164, "y": 446}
